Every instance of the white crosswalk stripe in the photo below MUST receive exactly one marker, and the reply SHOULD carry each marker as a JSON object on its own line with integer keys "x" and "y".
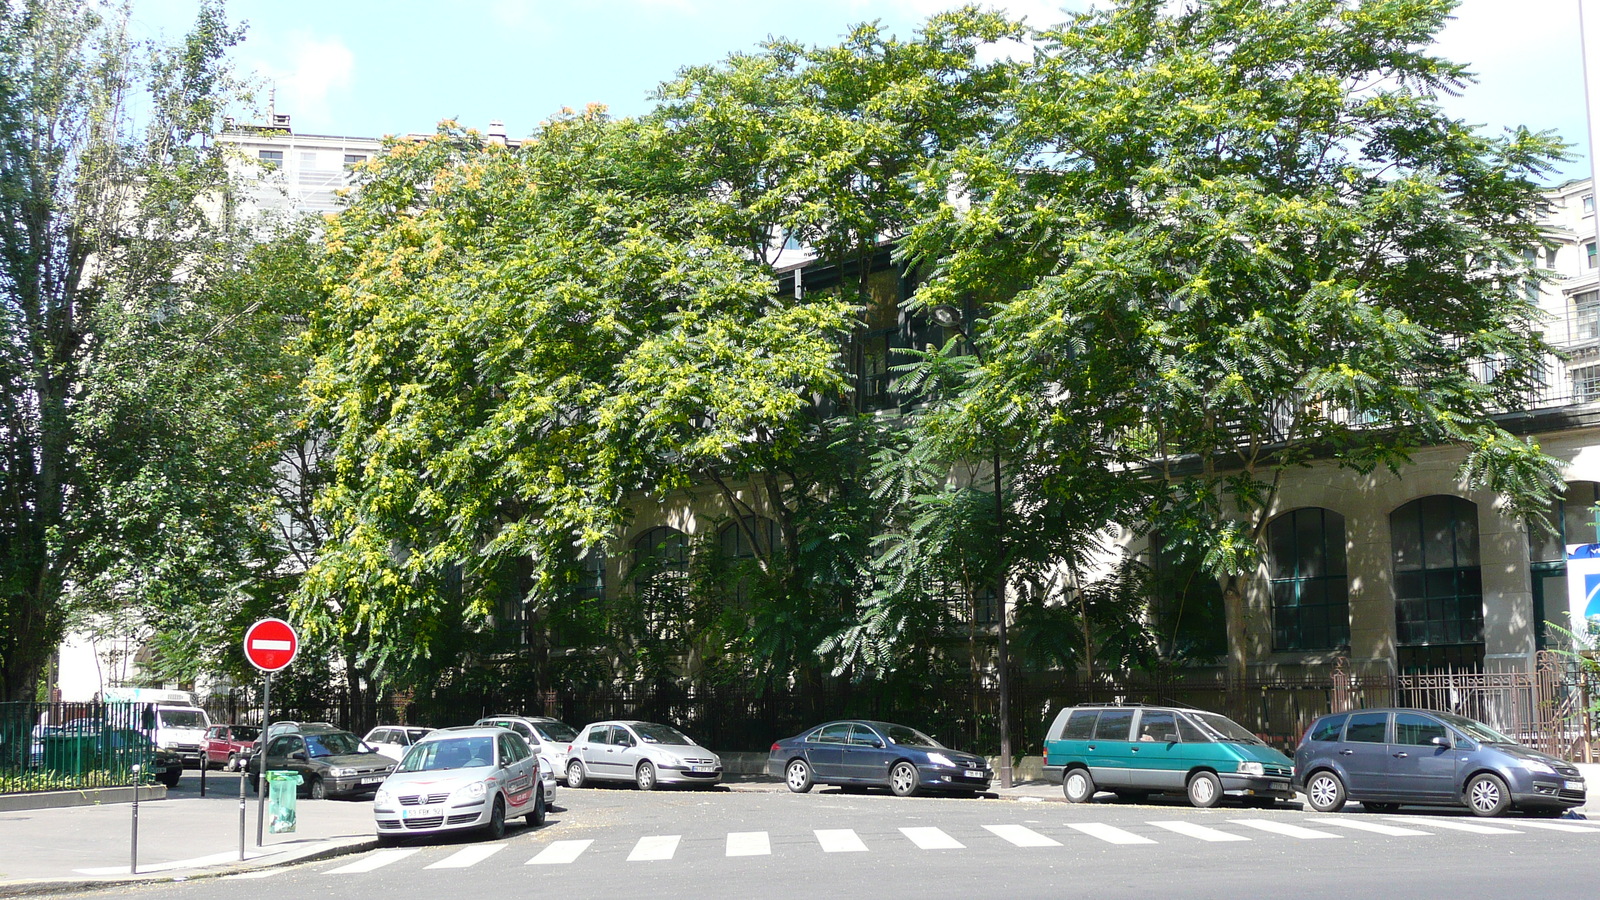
{"x": 749, "y": 843}
{"x": 376, "y": 861}
{"x": 1374, "y": 827}
{"x": 468, "y": 856}
{"x": 1455, "y": 825}
{"x": 1109, "y": 833}
{"x": 932, "y": 839}
{"x": 1190, "y": 829}
{"x": 1022, "y": 836}
{"x": 840, "y": 840}
{"x": 1570, "y": 827}
{"x": 1285, "y": 829}
{"x": 655, "y": 847}
{"x": 559, "y": 852}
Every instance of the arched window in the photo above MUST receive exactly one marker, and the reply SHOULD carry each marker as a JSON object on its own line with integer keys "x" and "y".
{"x": 660, "y": 575}
{"x": 1310, "y": 593}
{"x": 1186, "y": 607}
{"x": 740, "y": 555}
{"x": 1438, "y": 586}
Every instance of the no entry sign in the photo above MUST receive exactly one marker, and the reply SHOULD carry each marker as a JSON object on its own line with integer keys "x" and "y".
{"x": 271, "y": 644}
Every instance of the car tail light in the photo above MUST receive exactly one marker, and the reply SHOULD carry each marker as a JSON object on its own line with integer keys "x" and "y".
{"x": 773, "y": 748}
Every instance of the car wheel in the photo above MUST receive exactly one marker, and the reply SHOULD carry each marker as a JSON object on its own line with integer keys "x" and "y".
{"x": 1487, "y": 795}
{"x": 170, "y": 777}
{"x": 1205, "y": 790}
{"x": 903, "y": 779}
{"x": 575, "y": 774}
{"x": 496, "y": 829}
{"x": 645, "y": 776}
{"x": 536, "y": 818}
{"x": 798, "y": 776}
{"x": 233, "y": 763}
{"x": 1325, "y": 792}
{"x": 318, "y": 789}
{"x": 1078, "y": 786}
{"x": 1379, "y": 807}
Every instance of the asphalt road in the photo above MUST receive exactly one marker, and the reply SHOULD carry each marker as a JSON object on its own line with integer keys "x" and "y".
{"x": 712, "y": 844}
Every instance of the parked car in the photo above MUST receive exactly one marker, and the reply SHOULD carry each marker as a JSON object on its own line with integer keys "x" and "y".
{"x": 644, "y": 753}
{"x": 900, "y": 758}
{"x": 461, "y": 778}
{"x": 1388, "y": 757}
{"x": 394, "y": 740}
{"x": 1136, "y": 751}
{"x": 228, "y": 746}
{"x": 548, "y": 737}
{"x": 330, "y": 762}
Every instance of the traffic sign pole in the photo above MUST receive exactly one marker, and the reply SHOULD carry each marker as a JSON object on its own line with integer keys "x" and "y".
{"x": 270, "y": 645}
{"x": 261, "y": 774}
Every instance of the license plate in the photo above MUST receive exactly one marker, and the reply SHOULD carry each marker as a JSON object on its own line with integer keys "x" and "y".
{"x": 974, "y": 773}
{"x": 422, "y": 812}
{"x": 374, "y": 780}
{"x": 702, "y": 768}
{"x": 1573, "y": 786}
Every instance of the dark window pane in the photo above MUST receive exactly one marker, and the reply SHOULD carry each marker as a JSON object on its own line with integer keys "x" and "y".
{"x": 1368, "y": 728}
{"x": 1080, "y": 727}
{"x": 1114, "y": 725}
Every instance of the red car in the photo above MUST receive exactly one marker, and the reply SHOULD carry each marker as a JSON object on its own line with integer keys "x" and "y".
{"x": 228, "y": 745}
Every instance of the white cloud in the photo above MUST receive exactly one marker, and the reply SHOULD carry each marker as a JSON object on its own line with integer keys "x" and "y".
{"x": 316, "y": 70}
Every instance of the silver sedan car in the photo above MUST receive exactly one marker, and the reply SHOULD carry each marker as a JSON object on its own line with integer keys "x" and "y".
{"x": 644, "y": 753}
{"x": 462, "y": 778}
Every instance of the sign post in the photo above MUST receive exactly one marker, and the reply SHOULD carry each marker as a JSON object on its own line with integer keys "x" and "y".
{"x": 270, "y": 645}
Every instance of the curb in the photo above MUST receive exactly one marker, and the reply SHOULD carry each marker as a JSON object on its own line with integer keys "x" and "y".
{"x": 49, "y": 886}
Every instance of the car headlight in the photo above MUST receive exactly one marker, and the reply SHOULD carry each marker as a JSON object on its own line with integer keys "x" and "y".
{"x": 1533, "y": 765}
{"x": 939, "y": 759}
{"x": 1252, "y": 768}
{"x": 382, "y": 798}
{"x": 472, "y": 793}
{"x": 341, "y": 773}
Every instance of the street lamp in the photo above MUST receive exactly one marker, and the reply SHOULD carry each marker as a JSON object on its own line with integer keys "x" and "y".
{"x": 950, "y": 317}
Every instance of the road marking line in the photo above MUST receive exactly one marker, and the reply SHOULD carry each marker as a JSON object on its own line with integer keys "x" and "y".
{"x": 1453, "y": 825}
{"x": 263, "y": 873}
{"x": 559, "y": 852}
{"x": 376, "y": 861}
{"x": 1294, "y": 831}
{"x": 1190, "y": 829}
{"x": 655, "y": 847}
{"x": 467, "y": 856}
{"x": 1558, "y": 826}
{"x": 1110, "y": 833}
{"x": 840, "y": 840}
{"x": 932, "y": 839}
{"x": 749, "y": 843}
{"x": 1374, "y": 827}
{"x": 1022, "y": 836}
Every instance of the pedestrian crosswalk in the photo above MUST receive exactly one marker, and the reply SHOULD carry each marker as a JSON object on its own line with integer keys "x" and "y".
{"x": 1037, "y": 835}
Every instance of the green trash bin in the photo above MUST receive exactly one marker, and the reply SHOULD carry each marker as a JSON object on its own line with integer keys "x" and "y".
{"x": 282, "y": 789}
{"x": 70, "y": 753}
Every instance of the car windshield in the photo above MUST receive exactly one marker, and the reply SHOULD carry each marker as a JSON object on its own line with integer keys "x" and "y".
{"x": 332, "y": 743}
{"x": 559, "y": 732}
{"x": 908, "y": 737}
{"x": 183, "y": 718}
{"x": 1224, "y": 728}
{"x": 1474, "y": 729}
{"x": 453, "y": 753}
{"x": 660, "y": 734}
{"x": 246, "y": 732}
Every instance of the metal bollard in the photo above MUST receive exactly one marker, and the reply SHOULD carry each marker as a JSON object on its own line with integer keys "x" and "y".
{"x": 205, "y": 764}
{"x": 133, "y": 864}
{"x": 242, "y": 776}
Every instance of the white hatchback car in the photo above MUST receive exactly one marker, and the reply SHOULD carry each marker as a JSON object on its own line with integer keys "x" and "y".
{"x": 548, "y": 737}
{"x": 456, "y": 779}
{"x": 394, "y": 740}
{"x": 644, "y": 753}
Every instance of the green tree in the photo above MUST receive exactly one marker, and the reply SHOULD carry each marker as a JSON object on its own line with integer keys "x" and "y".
{"x": 1222, "y": 240}
{"x": 104, "y": 174}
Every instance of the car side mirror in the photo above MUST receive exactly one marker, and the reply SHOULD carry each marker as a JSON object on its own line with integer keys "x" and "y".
{"x": 1441, "y": 741}
{"x": 878, "y": 744}
{"x": 1170, "y": 738}
{"x": 300, "y": 755}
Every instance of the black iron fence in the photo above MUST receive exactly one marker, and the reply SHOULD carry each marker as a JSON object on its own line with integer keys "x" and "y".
{"x": 72, "y": 746}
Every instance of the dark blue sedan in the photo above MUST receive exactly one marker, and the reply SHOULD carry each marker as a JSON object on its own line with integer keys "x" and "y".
{"x": 876, "y": 754}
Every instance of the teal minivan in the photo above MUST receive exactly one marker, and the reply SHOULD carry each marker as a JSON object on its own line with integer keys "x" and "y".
{"x": 1136, "y": 751}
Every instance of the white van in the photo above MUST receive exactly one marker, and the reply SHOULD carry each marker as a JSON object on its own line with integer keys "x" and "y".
{"x": 178, "y": 724}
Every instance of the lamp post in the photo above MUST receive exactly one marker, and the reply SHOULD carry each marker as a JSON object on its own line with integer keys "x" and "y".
{"x": 950, "y": 317}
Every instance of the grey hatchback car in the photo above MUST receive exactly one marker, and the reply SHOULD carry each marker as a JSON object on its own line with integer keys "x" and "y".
{"x": 1388, "y": 757}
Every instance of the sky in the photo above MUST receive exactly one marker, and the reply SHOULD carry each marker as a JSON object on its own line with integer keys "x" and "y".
{"x": 372, "y": 67}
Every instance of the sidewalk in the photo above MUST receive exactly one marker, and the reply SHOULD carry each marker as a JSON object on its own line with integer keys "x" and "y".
{"x": 51, "y": 850}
